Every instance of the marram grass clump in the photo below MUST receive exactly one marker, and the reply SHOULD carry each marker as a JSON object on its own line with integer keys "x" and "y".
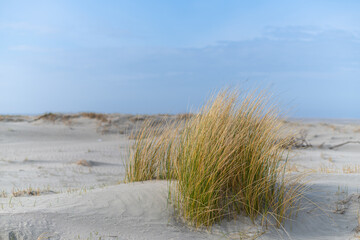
{"x": 224, "y": 161}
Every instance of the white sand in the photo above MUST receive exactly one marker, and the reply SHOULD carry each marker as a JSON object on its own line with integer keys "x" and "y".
{"x": 81, "y": 202}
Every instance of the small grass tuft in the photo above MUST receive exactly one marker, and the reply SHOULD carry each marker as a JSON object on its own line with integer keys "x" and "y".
{"x": 98, "y": 116}
{"x": 84, "y": 163}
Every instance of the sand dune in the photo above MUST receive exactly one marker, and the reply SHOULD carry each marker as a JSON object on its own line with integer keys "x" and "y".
{"x": 60, "y": 197}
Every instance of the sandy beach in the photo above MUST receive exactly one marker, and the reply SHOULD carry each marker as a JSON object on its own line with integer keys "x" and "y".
{"x": 62, "y": 178}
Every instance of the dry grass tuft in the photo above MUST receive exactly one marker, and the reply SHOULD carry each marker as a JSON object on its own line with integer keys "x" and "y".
{"x": 3, "y": 194}
{"x": 349, "y": 169}
{"x": 346, "y": 169}
{"x": 30, "y": 192}
{"x": 225, "y": 160}
{"x": 26, "y": 193}
{"x": 84, "y": 163}
{"x": 66, "y": 118}
{"x": 48, "y": 117}
{"x": 98, "y": 116}
{"x": 57, "y": 117}
{"x": 328, "y": 169}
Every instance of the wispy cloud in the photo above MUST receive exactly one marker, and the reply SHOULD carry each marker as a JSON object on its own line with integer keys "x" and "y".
{"x": 299, "y": 33}
{"x": 308, "y": 33}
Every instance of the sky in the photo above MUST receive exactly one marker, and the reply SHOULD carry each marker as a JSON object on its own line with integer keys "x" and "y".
{"x": 148, "y": 57}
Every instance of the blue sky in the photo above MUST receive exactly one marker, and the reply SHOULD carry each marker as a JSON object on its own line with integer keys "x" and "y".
{"x": 167, "y": 56}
